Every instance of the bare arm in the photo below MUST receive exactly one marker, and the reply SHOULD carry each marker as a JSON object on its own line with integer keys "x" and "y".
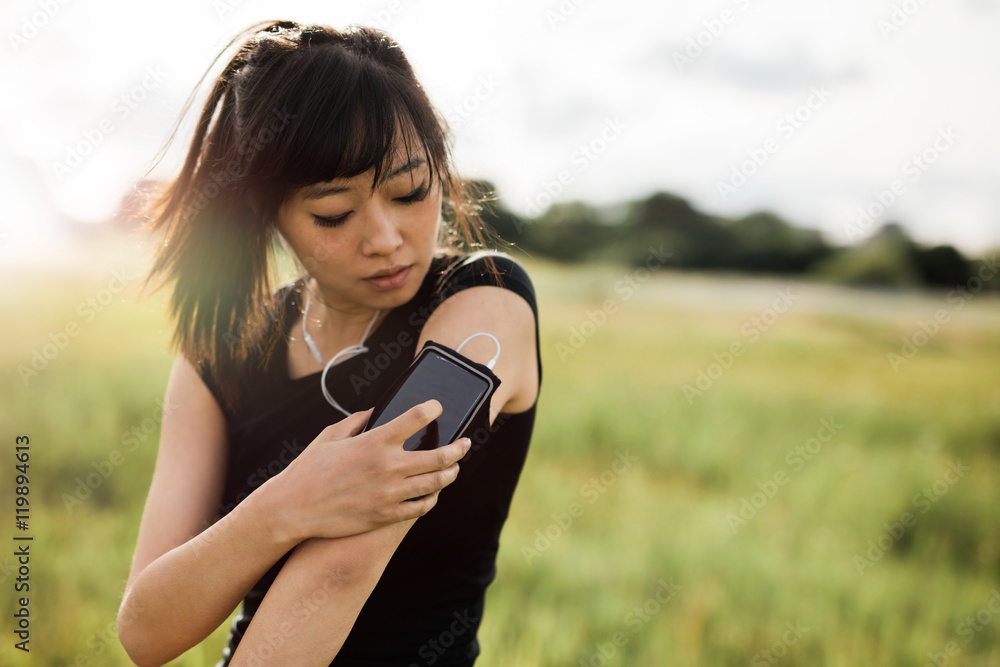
{"x": 349, "y": 568}
{"x": 188, "y": 573}
{"x": 316, "y": 598}
{"x": 177, "y": 560}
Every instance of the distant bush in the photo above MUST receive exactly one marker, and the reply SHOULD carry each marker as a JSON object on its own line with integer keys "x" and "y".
{"x": 941, "y": 266}
{"x": 764, "y": 242}
{"x": 885, "y": 260}
{"x": 987, "y": 269}
{"x": 891, "y": 258}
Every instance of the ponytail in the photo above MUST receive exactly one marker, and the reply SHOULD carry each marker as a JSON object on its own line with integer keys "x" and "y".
{"x": 214, "y": 248}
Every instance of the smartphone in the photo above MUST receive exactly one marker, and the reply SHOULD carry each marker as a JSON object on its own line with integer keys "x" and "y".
{"x": 462, "y": 387}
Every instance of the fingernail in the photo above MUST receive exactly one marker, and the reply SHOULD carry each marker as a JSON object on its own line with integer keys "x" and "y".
{"x": 468, "y": 443}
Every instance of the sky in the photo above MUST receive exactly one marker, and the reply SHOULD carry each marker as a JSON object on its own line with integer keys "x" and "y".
{"x": 837, "y": 115}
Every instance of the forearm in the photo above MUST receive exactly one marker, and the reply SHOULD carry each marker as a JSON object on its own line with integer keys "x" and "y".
{"x": 316, "y": 598}
{"x": 186, "y": 593}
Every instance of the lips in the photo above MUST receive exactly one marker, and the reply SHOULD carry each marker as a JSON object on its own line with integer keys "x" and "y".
{"x": 390, "y": 278}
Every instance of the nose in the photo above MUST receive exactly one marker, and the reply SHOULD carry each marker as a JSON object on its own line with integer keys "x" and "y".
{"x": 382, "y": 235}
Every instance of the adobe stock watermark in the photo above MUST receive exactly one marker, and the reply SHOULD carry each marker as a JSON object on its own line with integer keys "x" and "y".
{"x": 248, "y": 326}
{"x": 796, "y": 458}
{"x": 926, "y": 330}
{"x": 562, "y": 12}
{"x": 626, "y": 288}
{"x": 925, "y": 499}
{"x": 243, "y": 328}
{"x": 786, "y": 127}
{"x": 913, "y": 169}
{"x": 701, "y": 41}
{"x": 432, "y": 650}
{"x": 220, "y": 179}
{"x": 121, "y": 108}
{"x": 973, "y": 625}
{"x": 268, "y": 653}
{"x": 7, "y": 569}
{"x": 779, "y": 649}
{"x": 899, "y": 16}
{"x": 752, "y": 330}
{"x": 290, "y": 449}
{"x": 460, "y": 112}
{"x": 382, "y": 18}
{"x": 130, "y": 441}
{"x": 581, "y": 158}
{"x": 380, "y": 359}
{"x": 591, "y": 491}
{"x": 636, "y": 619}
{"x": 32, "y": 24}
{"x": 968, "y": 629}
{"x": 99, "y": 642}
{"x": 88, "y": 310}
{"x": 223, "y": 7}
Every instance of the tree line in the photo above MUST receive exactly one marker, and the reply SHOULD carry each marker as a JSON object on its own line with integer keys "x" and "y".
{"x": 761, "y": 242}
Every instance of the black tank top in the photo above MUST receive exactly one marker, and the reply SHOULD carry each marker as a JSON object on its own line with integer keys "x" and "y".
{"x": 427, "y": 607}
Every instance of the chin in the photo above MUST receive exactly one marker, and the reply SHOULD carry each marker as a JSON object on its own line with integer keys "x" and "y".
{"x": 400, "y": 297}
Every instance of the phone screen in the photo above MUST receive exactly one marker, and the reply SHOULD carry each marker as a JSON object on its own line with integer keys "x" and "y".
{"x": 455, "y": 388}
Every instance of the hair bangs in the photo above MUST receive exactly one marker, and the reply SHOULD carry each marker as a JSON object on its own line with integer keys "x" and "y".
{"x": 357, "y": 117}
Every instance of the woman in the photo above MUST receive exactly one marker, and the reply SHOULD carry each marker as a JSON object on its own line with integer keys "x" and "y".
{"x": 264, "y": 488}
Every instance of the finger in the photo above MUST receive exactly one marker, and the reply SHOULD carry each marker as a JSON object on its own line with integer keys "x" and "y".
{"x": 408, "y": 423}
{"x": 419, "y": 462}
{"x": 418, "y": 506}
{"x": 359, "y": 420}
{"x": 348, "y": 426}
{"x": 432, "y": 481}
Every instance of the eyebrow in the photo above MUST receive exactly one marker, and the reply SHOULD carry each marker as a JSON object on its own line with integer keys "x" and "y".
{"x": 320, "y": 190}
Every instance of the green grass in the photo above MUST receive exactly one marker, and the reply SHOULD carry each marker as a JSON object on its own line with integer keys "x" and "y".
{"x": 661, "y": 520}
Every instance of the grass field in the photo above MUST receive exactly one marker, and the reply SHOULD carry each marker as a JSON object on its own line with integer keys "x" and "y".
{"x": 724, "y": 471}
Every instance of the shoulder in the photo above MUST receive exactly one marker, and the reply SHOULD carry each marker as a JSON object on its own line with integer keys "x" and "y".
{"x": 491, "y": 293}
{"x": 485, "y": 269}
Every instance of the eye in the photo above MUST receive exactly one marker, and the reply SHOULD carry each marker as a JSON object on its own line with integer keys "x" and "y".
{"x": 417, "y": 195}
{"x": 324, "y": 221}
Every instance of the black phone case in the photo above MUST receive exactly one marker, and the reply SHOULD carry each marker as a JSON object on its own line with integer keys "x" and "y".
{"x": 471, "y": 366}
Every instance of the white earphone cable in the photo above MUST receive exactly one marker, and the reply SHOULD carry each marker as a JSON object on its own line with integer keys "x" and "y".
{"x": 351, "y": 350}
{"x": 483, "y": 333}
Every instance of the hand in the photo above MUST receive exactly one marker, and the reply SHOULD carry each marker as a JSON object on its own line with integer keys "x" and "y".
{"x": 346, "y": 482}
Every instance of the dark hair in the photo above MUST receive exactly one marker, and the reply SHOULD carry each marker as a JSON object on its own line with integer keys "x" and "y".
{"x": 296, "y": 105}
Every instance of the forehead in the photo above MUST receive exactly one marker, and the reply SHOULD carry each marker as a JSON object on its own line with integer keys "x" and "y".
{"x": 401, "y": 166}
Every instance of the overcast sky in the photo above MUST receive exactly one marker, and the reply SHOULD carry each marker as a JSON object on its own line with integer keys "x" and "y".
{"x": 809, "y": 109}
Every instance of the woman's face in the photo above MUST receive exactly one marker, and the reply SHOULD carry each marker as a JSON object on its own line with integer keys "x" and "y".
{"x": 367, "y": 250}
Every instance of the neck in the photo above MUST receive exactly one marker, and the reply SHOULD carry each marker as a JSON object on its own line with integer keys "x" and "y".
{"x": 332, "y": 328}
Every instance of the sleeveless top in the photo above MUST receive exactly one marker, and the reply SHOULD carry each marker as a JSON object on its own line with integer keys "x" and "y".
{"x": 428, "y": 604}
